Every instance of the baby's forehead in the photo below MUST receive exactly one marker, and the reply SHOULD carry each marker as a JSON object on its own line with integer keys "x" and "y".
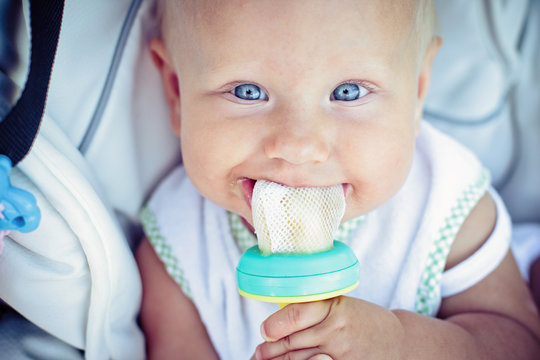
{"x": 199, "y": 12}
{"x": 288, "y": 24}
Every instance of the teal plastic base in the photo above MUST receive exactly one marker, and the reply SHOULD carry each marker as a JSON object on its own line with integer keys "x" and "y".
{"x": 283, "y": 275}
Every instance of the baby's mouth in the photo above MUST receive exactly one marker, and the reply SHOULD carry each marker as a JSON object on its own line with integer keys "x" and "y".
{"x": 248, "y": 185}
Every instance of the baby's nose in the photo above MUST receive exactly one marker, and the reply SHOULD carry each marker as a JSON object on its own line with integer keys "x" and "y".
{"x": 298, "y": 144}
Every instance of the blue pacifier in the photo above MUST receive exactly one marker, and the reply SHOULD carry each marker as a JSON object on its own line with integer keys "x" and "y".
{"x": 20, "y": 211}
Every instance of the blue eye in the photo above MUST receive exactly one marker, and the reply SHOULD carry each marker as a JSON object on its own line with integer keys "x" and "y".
{"x": 249, "y": 92}
{"x": 349, "y": 92}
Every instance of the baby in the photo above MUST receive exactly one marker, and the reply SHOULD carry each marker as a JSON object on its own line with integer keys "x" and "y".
{"x": 310, "y": 94}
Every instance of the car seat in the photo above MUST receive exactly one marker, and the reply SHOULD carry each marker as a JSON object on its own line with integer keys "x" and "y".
{"x": 101, "y": 147}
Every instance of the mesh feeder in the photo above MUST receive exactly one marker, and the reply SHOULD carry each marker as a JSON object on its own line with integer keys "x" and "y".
{"x": 296, "y": 259}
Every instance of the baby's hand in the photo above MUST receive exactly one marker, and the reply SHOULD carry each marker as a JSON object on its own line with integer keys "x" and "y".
{"x": 340, "y": 328}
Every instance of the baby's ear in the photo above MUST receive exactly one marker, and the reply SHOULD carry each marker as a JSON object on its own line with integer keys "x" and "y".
{"x": 169, "y": 80}
{"x": 425, "y": 76}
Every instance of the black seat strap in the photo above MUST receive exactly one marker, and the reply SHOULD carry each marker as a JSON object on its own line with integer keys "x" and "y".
{"x": 20, "y": 126}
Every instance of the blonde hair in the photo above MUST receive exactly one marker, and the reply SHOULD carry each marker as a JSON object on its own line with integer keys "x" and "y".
{"x": 425, "y": 23}
{"x": 170, "y": 13}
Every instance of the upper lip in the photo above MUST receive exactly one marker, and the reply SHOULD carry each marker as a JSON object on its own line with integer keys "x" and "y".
{"x": 249, "y": 183}
{"x": 293, "y": 182}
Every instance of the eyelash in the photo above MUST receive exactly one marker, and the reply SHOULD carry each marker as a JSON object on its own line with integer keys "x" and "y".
{"x": 362, "y": 83}
{"x": 228, "y": 91}
{"x": 230, "y": 88}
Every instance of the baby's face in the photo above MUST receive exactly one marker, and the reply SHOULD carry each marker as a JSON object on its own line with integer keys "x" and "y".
{"x": 303, "y": 93}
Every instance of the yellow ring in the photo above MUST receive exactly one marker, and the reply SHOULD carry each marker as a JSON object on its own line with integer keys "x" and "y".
{"x": 298, "y": 299}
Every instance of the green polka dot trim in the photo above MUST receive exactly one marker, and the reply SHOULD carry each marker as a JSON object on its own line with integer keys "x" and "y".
{"x": 242, "y": 236}
{"x": 163, "y": 249}
{"x": 346, "y": 229}
{"x": 428, "y": 292}
{"x": 245, "y": 239}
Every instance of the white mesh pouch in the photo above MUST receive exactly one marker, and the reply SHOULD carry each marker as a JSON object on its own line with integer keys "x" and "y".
{"x": 296, "y": 220}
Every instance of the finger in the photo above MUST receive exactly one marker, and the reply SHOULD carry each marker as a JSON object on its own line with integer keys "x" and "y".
{"x": 320, "y": 357}
{"x": 311, "y": 338}
{"x": 293, "y": 318}
{"x": 302, "y": 354}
